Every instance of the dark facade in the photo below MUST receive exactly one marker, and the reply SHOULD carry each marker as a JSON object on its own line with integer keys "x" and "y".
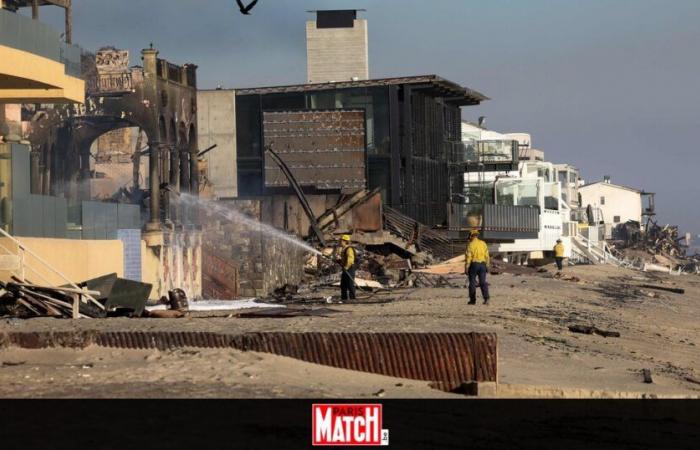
{"x": 412, "y": 126}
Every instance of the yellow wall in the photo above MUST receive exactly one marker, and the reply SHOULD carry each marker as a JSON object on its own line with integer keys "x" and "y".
{"x": 22, "y": 65}
{"x": 78, "y": 260}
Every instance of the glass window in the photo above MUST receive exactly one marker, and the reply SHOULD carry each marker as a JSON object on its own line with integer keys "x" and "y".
{"x": 495, "y": 151}
{"x": 517, "y": 192}
{"x": 616, "y": 219}
{"x": 602, "y": 200}
{"x": 478, "y": 193}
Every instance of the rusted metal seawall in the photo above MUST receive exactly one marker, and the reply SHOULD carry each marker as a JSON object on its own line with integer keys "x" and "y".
{"x": 446, "y": 359}
{"x": 450, "y": 358}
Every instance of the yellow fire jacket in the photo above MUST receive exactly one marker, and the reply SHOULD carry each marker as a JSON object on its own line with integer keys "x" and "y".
{"x": 559, "y": 250}
{"x": 477, "y": 251}
{"x": 348, "y": 257}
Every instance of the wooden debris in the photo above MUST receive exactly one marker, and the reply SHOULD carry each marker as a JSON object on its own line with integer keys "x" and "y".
{"x": 663, "y": 288}
{"x": 692, "y": 380}
{"x": 589, "y": 329}
{"x": 23, "y": 299}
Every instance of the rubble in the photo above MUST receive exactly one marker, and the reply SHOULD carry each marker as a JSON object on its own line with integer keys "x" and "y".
{"x": 25, "y": 300}
{"x": 658, "y": 248}
{"x": 100, "y": 297}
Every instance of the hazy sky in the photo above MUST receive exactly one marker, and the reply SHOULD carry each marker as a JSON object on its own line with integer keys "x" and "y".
{"x": 611, "y": 86}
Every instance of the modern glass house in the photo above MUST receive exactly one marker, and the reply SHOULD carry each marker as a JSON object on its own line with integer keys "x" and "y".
{"x": 412, "y": 132}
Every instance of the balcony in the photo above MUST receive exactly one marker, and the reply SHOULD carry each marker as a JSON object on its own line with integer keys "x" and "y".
{"x": 498, "y": 223}
{"x": 487, "y": 155}
{"x": 36, "y": 66}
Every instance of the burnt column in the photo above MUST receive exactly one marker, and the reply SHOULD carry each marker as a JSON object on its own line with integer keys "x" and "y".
{"x": 149, "y": 57}
{"x": 154, "y": 179}
{"x": 184, "y": 169}
{"x": 194, "y": 172}
{"x": 166, "y": 174}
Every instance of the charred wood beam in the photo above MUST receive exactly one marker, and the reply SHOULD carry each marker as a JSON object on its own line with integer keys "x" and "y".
{"x": 663, "y": 288}
{"x": 300, "y": 195}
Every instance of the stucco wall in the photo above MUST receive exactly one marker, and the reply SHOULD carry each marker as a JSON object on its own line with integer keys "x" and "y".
{"x": 216, "y": 122}
{"x": 78, "y": 260}
{"x": 172, "y": 260}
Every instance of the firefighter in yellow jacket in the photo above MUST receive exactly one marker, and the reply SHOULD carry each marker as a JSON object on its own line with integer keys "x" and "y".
{"x": 476, "y": 264}
{"x": 348, "y": 262}
{"x": 559, "y": 255}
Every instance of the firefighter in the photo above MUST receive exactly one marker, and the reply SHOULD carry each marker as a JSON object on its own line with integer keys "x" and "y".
{"x": 476, "y": 265}
{"x": 559, "y": 255}
{"x": 347, "y": 261}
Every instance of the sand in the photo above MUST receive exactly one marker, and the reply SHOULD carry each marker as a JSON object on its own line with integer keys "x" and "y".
{"x": 538, "y": 355}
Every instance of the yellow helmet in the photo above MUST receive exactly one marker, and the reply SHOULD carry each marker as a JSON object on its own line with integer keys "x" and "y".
{"x": 345, "y": 237}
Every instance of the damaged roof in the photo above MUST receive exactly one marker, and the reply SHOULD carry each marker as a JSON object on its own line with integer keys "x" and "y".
{"x": 440, "y": 87}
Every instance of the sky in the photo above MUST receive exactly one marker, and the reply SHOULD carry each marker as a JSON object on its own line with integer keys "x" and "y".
{"x": 610, "y": 86}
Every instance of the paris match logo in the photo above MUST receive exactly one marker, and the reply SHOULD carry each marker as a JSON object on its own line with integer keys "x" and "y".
{"x": 348, "y": 424}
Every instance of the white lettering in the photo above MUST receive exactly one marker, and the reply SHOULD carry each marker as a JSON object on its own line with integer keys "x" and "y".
{"x": 359, "y": 425}
{"x": 338, "y": 435}
{"x": 323, "y": 425}
{"x": 372, "y": 421}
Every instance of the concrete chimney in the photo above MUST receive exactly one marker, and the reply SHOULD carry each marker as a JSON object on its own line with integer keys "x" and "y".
{"x": 336, "y": 47}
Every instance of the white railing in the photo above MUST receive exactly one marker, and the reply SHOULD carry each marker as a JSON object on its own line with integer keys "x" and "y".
{"x": 600, "y": 250}
{"x": 20, "y": 273}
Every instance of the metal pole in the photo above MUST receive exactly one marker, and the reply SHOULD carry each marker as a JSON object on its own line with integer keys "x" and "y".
{"x": 69, "y": 23}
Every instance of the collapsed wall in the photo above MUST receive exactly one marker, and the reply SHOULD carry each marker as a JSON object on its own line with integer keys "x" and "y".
{"x": 240, "y": 260}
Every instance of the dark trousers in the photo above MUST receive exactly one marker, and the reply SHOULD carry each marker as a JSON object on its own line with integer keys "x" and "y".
{"x": 560, "y": 263}
{"x": 477, "y": 270}
{"x": 347, "y": 284}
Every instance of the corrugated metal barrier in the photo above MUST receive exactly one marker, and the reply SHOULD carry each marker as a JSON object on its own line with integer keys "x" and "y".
{"x": 445, "y": 359}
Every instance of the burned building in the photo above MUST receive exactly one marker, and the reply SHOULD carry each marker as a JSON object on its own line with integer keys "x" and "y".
{"x": 117, "y": 162}
{"x": 412, "y": 133}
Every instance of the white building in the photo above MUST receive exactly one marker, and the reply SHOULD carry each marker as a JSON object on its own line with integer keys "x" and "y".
{"x": 526, "y": 151}
{"x": 570, "y": 179}
{"x": 531, "y": 183}
{"x": 618, "y": 204}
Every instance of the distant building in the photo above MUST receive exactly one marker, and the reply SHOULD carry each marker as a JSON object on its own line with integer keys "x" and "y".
{"x": 570, "y": 179}
{"x": 216, "y": 124}
{"x": 525, "y": 150}
{"x": 617, "y": 203}
{"x": 336, "y": 47}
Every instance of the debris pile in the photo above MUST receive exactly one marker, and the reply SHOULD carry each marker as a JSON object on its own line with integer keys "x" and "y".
{"x": 657, "y": 248}
{"x": 26, "y": 300}
{"x": 99, "y": 297}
